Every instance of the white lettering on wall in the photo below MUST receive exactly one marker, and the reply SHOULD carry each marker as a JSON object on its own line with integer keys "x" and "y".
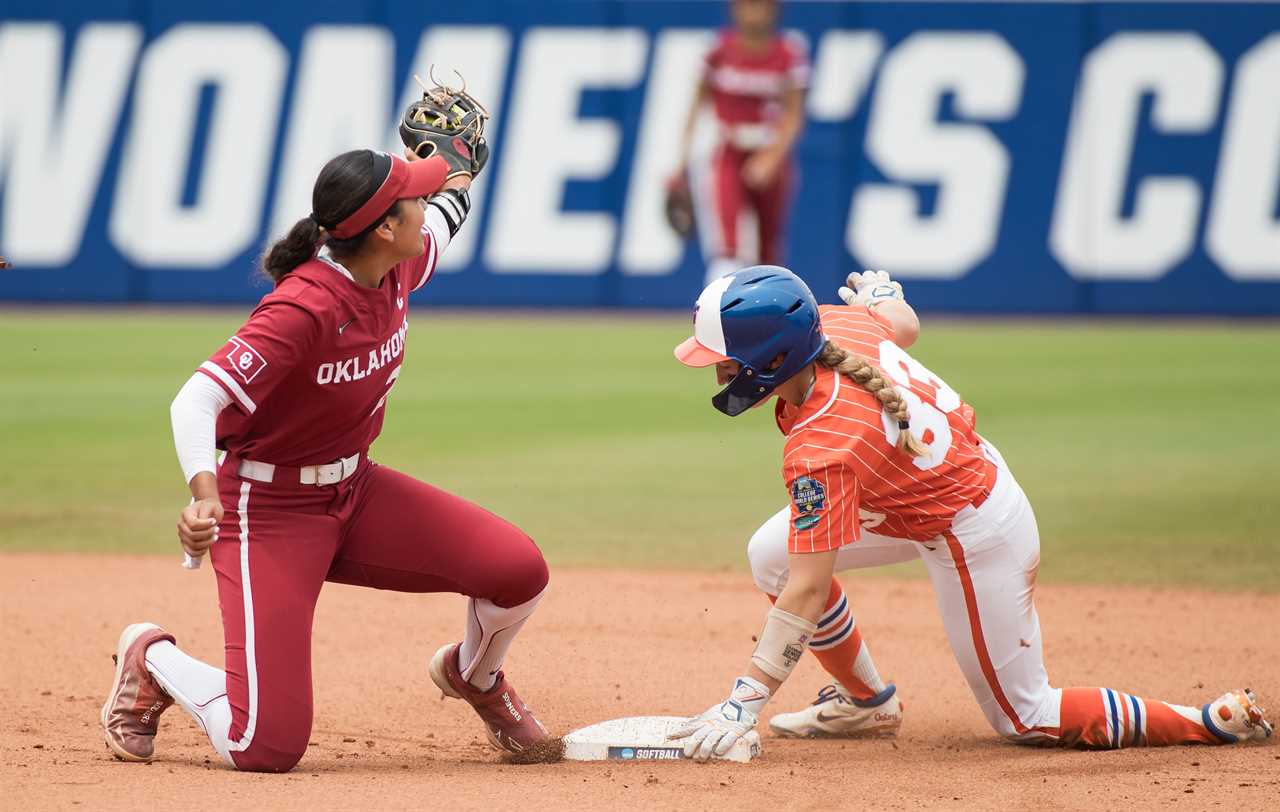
{"x": 1089, "y": 236}
{"x": 551, "y": 145}
{"x": 907, "y": 142}
{"x": 842, "y": 71}
{"x": 649, "y": 247}
{"x": 480, "y": 53}
{"x": 149, "y": 223}
{"x": 52, "y": 155}
{"x": 1243, "y": 234}
{"x": 340, "y": 102}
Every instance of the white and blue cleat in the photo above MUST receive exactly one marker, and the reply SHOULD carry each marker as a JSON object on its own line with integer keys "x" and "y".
{"x": 836, "y": 714}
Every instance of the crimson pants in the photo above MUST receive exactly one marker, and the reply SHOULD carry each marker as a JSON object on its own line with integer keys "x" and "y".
{"x": 769, "y": 203}
{"x": 278, "y": 543}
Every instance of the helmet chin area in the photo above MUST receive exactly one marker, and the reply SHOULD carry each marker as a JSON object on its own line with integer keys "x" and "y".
{"x": 745, "y": 390}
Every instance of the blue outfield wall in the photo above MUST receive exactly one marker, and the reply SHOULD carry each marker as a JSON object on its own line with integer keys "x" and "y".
{"x": 1020, "y": 157}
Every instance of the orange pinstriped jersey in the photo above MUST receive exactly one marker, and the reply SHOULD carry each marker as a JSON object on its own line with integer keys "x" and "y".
{"x": 841, "y": 465}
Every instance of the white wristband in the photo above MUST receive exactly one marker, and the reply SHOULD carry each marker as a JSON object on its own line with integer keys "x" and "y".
{"x": 751, "y": 694}
{"x": 782, "y": 643}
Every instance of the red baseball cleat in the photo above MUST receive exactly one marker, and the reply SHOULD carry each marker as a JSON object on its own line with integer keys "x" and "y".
{"x": 132, "y": 710}
{"x": 508, "y": 722}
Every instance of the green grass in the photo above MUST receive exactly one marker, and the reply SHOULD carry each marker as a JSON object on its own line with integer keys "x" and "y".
{"x": 1148, "y": 450}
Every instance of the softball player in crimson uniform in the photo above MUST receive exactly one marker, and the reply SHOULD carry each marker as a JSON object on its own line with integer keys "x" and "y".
{"x": 295, "y": 398}
{"x": 754, "y": 78}
{"x": 883, "y": 464}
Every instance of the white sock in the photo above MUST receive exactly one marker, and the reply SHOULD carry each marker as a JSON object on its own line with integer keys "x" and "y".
{"x": 490, "y": 632}
{"x": 198, "y": 687}
{"x": 864, "y": 668}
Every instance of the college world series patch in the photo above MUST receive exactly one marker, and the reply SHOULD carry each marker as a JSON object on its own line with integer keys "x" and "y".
{"x": 809, "y": 497}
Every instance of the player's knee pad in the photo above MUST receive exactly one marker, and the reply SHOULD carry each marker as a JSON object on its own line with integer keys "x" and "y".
{"x": 767, "y": 553}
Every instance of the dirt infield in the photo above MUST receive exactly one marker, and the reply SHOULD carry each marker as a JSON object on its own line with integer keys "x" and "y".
{"x": 607, "y": 644}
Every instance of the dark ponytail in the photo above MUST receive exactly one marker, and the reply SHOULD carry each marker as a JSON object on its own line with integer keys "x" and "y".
{"x": 342, "y": 186}
{"x": 298, "y": 246}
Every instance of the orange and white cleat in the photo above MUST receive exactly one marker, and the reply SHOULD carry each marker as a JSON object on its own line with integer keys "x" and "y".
{"x": 1236, "y": 717}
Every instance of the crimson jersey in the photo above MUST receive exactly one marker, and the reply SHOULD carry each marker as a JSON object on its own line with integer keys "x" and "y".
{"x": 841, "y": 465}
{"x": 748, "y": 86}
{"x": 309, "y": 372}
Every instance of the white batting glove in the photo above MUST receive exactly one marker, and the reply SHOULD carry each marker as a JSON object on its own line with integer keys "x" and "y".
{"x": 714, "y": 732}
{"x": 869, "y": 288}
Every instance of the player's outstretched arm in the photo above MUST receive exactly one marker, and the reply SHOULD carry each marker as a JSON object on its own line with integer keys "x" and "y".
{"x": 876, "y": 291}
{"x": 788, "y": 627}
{"x": 903, "y": 321}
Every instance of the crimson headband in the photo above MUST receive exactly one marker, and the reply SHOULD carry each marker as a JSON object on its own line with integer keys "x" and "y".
{"x": 401, "y": 179}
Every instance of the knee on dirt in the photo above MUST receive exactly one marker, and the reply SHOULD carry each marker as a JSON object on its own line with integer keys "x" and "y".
{"x": 273, "y": 754}
{"x": 1009, "y": 732}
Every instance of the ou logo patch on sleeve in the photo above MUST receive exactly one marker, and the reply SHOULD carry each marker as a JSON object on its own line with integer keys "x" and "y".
{"x": 245, "y": 360}
{"x": 810, "y": 498}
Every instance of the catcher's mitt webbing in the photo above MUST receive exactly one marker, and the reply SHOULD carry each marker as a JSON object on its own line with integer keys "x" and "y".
{"x": 448, "y": 122}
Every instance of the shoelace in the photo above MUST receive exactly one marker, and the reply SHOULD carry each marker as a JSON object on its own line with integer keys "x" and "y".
{"x": 828, "y": 693}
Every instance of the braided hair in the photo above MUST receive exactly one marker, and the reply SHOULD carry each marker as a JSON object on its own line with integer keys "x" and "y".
{"x": 872, "y": 378}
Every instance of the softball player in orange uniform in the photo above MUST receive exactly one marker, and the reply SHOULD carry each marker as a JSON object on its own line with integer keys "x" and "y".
{"x": 883, "y": 464}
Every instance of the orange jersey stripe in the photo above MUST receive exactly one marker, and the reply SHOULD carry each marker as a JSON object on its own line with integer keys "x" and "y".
{"x": 841, "y": 463}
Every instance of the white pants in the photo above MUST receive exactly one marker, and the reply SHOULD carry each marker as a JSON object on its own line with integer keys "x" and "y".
{"x": 983, "y": 575}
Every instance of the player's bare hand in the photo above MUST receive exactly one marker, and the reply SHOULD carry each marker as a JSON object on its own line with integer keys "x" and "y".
{"x": 198, "y": 526}
{"x": 761, "y": 168}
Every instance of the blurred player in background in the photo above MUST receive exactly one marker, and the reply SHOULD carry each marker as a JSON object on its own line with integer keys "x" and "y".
{"x": 755, "y": 78}
{"x": 883, "y": 464}
{"x": 295, "y": 398}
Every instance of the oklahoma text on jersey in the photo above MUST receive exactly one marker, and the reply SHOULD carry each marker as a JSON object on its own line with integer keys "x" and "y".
{"x": 349, "y": 370}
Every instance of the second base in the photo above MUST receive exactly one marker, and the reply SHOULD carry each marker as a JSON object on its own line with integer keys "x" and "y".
{"x": 643, "y": 738}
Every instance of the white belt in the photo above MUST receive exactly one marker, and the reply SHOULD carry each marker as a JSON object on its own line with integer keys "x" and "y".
{"x": 327, "y": 474}
{"x": 748, "y": 137}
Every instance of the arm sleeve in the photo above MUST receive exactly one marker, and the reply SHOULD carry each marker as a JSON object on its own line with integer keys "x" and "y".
{"x": 445, "y": 214}
{"x": 824, "y": 505}
{"x": 194, "y": 414}
{"x": 263, "y": 352}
